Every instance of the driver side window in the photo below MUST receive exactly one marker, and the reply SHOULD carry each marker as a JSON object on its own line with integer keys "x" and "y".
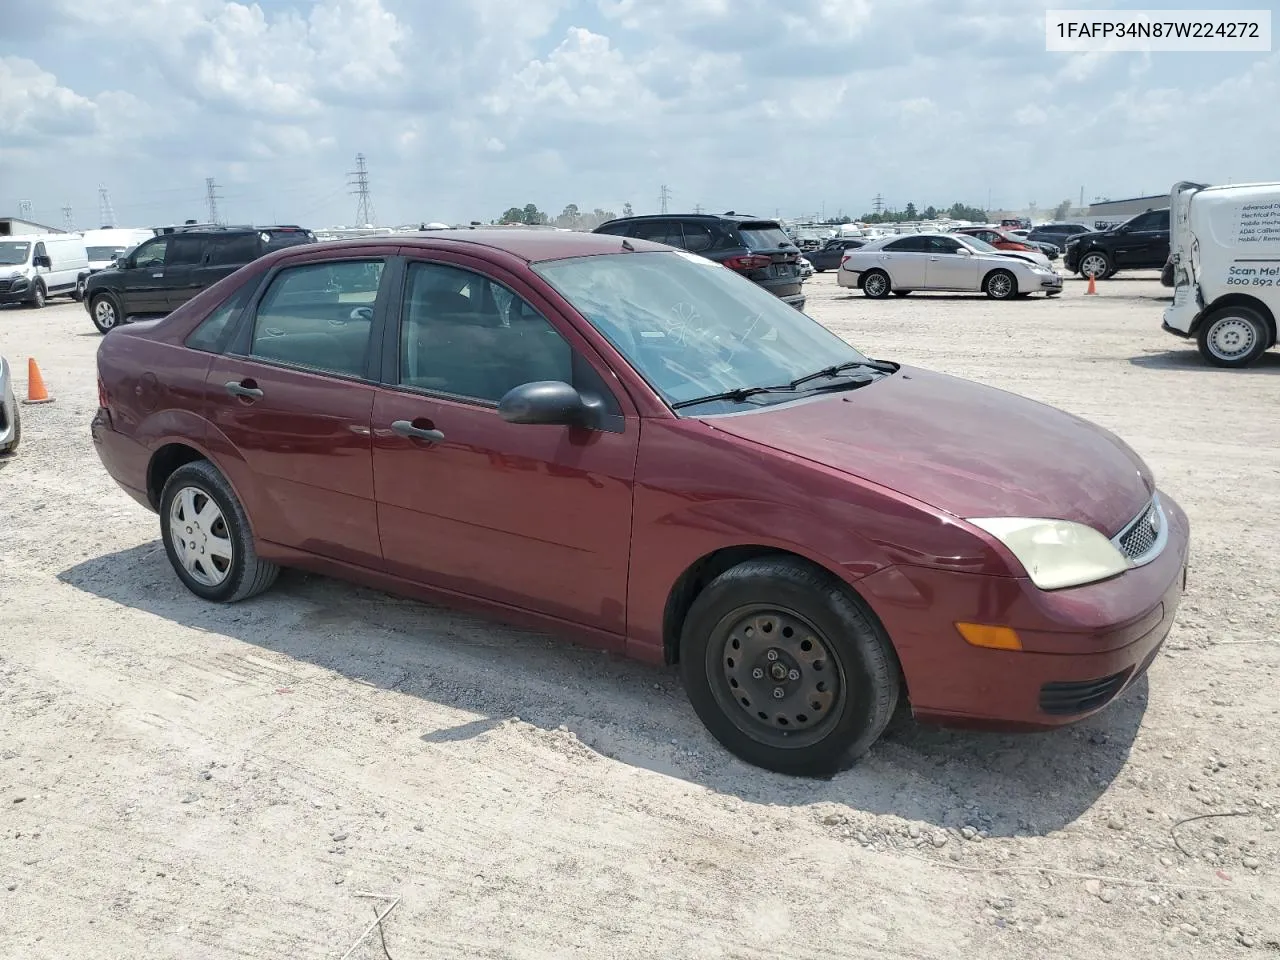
{"x": 151, "y": 253}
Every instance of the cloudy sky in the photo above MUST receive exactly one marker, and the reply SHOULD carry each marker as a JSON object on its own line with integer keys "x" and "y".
{"x": 467, "y": 107}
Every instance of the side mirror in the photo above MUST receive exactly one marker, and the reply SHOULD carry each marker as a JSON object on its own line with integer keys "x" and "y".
{"x": 965, "y": 252}
{"x": 549, "y": 402}
{"x": 42, "y": 261}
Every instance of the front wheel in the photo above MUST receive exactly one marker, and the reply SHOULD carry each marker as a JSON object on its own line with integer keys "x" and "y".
{"x": 876, "y": 285}
{"x": 787, "y": 668}
{"x": 105, "y": 313}
{"x": 1096, "y": 264}
{"x": 1233, "y": 337}
{"x": 38, "y": 297}
{"x": 208, "y": 538}
{"x": 1001, "y": 285}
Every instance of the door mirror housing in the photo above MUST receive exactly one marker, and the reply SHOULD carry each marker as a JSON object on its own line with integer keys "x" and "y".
{"x": 42, "y": 261}
{"x": 549, "y": 402}
{"x": 964, "y": 251}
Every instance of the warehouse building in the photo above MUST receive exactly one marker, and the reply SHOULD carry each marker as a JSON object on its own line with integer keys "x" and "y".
{"x": 1110, "y": 212}
{"x": 15, "y": 227}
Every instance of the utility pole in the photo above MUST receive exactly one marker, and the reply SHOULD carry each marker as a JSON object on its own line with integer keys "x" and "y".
{"x": 663, "y": 196}
{"x": 211, "y": 198}
{"x": 68, "y": 221}
{"x": 358, "y": 179}
{"x": 24, "y": 209}
{"x": 106, "y": 215}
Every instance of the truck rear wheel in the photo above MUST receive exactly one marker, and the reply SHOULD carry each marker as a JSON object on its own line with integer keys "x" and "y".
{"x": 1233, "y": 337}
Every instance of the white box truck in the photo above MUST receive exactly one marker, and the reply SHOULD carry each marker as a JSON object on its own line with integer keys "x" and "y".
{"x": 1225, "y": 254}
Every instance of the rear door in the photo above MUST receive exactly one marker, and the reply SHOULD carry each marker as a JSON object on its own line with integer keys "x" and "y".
{"x": 659, "y": 231}
{"x": 906, "y": 261}
{"x": 223, "y": 256}
{"x": 289, "y": 406}
{"x": 781, "y": 276}
{"x": 182, "y": 257}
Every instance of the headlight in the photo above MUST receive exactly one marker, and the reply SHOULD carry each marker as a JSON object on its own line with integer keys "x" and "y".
{"x": 1056, "y": 553}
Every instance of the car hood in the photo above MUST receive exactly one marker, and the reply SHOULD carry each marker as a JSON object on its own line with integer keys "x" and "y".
{"x": 1030, "y": 256}
{"x": 961, "y": 447}
{"x": 1086, "y": 236}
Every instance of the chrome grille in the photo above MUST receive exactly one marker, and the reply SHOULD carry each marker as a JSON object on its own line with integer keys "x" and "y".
{"x": 1144, "y": 537}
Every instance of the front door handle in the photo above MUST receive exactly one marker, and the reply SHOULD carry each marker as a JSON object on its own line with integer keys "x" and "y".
{"x": 157, "y": 275}
{"x": 406, "y": 429}
{"x": 244, "y": 388}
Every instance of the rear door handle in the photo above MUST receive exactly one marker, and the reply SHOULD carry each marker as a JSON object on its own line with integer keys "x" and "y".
{"x": 240, "y": 390}
{"x": 406, "y": 429}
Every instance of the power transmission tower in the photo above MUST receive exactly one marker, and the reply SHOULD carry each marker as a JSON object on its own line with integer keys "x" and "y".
{"x": 663, "y": 196}
{"x": 211, "y": 198}
{"x": 106, "y": 215}
{"x": 24, "y": 209}
{"x": 359, "y": 180}
{"x": 878, "y": 204}
{"x": 697, "y": 208}
{"x": 68, "y": 220}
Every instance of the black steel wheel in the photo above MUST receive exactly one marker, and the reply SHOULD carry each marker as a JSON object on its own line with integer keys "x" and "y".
{"x": 787, "y": 667}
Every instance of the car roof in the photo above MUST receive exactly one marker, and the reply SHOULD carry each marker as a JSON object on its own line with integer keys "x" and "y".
{"x": 704, "y": 217}
{"x": 531, "y": 246}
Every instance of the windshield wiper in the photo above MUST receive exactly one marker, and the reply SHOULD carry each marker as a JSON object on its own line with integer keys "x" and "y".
{"x": 738, "y": 395}
{"x": 839, "y": 368}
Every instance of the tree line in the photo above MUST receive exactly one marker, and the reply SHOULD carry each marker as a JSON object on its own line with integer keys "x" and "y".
{"x": 571, "y": 217}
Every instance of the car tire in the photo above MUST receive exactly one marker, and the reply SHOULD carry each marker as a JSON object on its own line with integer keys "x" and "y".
{"x": 876, "y": 284}
{"x": 902, "y": 293}
{"x": 819, "y": 269}
{"x": 78, "y": 293}
{"x": 39, "y": 297}
{"x": 1097, "y": 264}
{"x": 17, "y": 433}
{"x": 1000, "y": 285}
{"x": 1166, "y": 274}
{"x": 841, "y": 681}
{"x": 208, "y": 538}
{"x": 105, "y": 312}
{"x": 1233, "y": 337}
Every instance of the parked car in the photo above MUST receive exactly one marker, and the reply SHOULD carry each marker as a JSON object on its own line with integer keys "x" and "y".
{"x": 10, "y": 417}
{"x": 1225, "y": 252}
{"x": 940, "y": 261}
{"x": 1015, "y": 223}
{"x": 996, "y": 238}
{"x": 1140, "y": 243}
{"x": 758, "y": 249}
{"x": 828, "y": 257}
{"x": 1050, "y": 250}
{"x": 161, "y": 274}
{"x": 35, "y": 267}
{"x": 634, "y": 446}
{"x": 806, "y": 268}
{"x": 1057, "y": 233}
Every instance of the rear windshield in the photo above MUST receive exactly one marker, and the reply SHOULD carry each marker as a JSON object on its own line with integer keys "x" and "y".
{"x": 279, "y": 239}
{"x": 764, "y": 236}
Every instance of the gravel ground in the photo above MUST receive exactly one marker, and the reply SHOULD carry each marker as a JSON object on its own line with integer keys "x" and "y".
{"x": 183, "y": 780}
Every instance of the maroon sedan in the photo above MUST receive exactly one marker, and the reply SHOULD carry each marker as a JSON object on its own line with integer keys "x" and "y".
{"x": 613, "y": 439}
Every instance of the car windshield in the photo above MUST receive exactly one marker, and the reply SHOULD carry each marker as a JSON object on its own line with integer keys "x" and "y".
{"x": 103, "y": 253}
{"x": 974, "y": 243}
{"x": 763, "y": 236}
{"x": 692, "y": 328}
{"x": 14, "y": 252}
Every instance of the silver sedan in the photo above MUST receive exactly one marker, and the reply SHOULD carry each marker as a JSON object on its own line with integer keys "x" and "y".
{"x": 943, "y": 261}
{"x": 10, "y": 419}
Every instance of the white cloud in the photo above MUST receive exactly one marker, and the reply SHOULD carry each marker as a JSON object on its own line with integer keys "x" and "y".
{"x": 33, "y": 106}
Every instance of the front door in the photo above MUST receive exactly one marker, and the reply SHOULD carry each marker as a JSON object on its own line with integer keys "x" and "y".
{"x": 537, "y": 517}
{"x": 290, "y": 404}
{"x": 1146, "y": 241}
{"x": 948, "y": 268}
{"x": 143, "y": 288}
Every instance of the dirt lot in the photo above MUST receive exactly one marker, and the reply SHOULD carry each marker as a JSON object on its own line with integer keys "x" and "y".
{"x": 182, "y": 780}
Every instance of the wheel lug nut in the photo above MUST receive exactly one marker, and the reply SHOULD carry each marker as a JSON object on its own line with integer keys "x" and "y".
{"x": 757, "y": 674}
{"x": 772, "y": 654}
{"x": 778, "y": 693}
{"x": 793, "y": 675}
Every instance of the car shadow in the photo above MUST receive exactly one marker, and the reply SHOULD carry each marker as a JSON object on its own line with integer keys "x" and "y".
{"x": 1006, "y": 784}
{"x": 1189, "y": 359}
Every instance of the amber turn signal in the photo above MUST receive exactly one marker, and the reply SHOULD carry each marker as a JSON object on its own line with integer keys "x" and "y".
{"x": 994, "y": 638}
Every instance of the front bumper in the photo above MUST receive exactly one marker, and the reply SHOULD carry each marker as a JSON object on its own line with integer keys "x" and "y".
{"x": 1082, "y": 647}
{"x": 1071, "y": 259}
{"x": 19, "y": 290}
{"x": 1051, "y": 283}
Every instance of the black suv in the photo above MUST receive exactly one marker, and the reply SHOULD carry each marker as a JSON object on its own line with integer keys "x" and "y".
{"x": 1140, "y": 243}
{"x": 1057, "y": 233}
{"x": 759, "y": 249}
{"x": 161, "y": 274}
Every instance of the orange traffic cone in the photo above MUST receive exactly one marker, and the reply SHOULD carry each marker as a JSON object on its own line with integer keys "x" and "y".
{"x": 1093, "y": 286}
{"x": 36, "y": 390}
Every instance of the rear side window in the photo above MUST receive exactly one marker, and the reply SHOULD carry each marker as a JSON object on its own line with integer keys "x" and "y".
{"x": 233, "y": 251}
{"x": 659, "y": 231}
{"x": 698, "y": 237}
{"x": 917, "y": 244}
{"x": 614, "y": 229}
{"x": 212, "y": 333}
{"x": 184, "y": 251}
{"x": 279, "y": 239}
{"x": 763, "y": 236}
{"x": 944, "y": 245}
{"x": 319, "y": 316}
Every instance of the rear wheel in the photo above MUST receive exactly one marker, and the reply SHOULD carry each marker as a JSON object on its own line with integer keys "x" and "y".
{"x": 1000, "y": 285}
{"x": 208, "y": 538}
{"x": 105, "y": 312}
{"x": 1233, "y": 337}
{"x": 787, "y": 668}
{"x": 876, "y": 285}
